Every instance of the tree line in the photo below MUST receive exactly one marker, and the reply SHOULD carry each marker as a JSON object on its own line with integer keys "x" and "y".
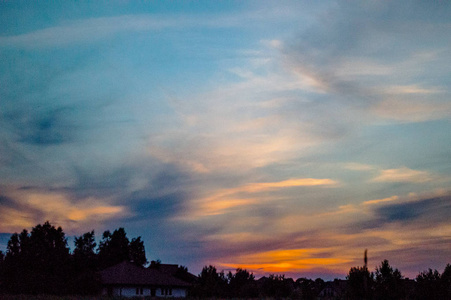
{"x": 39, "y": 262}
{"x": 213, "y": 284}
{"x": 386, "y": 283}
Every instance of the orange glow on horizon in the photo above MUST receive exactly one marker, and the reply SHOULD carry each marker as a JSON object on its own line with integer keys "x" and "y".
{"x": 287, "y": 260}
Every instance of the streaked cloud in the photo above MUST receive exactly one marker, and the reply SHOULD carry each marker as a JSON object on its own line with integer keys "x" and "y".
{"x": 256, "y": 187}
{"x": 413, "y": 210}
{"x": 403, "y": 175}
{"x": 96, "y": 29}
{"x": 282, "y": 137}
{"x": 91, "y": 30}
{"x": 411, "y": 89}
{"x": 29, "y": 207}
{"x": 234, "y": 126}
{"x": 352, "y": 67}
{"x": 379, "y": 201}
{"x": 413, "y": 110}
{"x": 231, "y": 199}
{"x": 394, "y": 227}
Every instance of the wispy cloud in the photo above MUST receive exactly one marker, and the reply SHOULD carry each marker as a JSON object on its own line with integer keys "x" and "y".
{"x": 412, "y": 110}
{"x": 362, "y": 72}
{"x": 385, "y": 226}
{"x": 403, "y": 175}
{"x": 224, "y": 201}
{"x": 256, "y": 187}
{"x": 235, "y": 126}
{"x": 411, "y": 89}
{"x": 416, "y": 210}
{"x": 36, "y": 206}
{"x": 100, "y": 28}
{"x": 83, "y": 31}
{"x": 379, "y": 201}
{"x": 258, "y": 135}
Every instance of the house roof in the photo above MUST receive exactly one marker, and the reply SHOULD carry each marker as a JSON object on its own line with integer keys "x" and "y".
{"x": 168, "y": 269}
{"x": 127, "y": 273}
{"x": 173, "y": 270}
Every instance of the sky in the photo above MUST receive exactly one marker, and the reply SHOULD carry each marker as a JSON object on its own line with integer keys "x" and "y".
{"x": 284, "y": 137}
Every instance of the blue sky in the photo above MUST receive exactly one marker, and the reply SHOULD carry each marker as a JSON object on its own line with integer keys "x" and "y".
{"x": 283, "y": 137}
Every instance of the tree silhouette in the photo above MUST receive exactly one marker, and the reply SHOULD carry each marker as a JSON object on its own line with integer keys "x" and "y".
{"x": 13, "y": 246}
{"x": 307, "y": 288}
{"x": 210, "y": 283}
{"x": 428, "y": 285}
{"x": 137, "y": 253}
{"x": 242, "y": 284}
{"x": 277, "y": 286}
{"x": 85, "y": 245}
{"x": 115, "y": 248}
{"x": 357, "y": 278}
{"x": 85, "y": 265}
{"x": 446, "y": 282}
{"x": 37, "y": 262}
{"x": 84, "y": 251}
{"x": 389, "y": 283}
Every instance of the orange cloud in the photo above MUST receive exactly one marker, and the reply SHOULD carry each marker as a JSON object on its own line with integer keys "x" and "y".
{"x": 15, "y": 220}
{"x": 56, "y": 207}
{"x": 82, "y": 214}
{"x": 403, "y": 175}
{"x": 377, "y": 201}
{"x": 286, "y": 260}
{"x": 226, "y": 199}
{"x": 216, "y": 207}
{"x": 257, "y": 187}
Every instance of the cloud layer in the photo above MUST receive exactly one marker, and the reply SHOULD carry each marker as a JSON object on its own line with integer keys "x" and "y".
{"x": 281, "y": 138}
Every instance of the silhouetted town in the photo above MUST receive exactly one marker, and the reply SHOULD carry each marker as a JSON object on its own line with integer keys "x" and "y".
{"x": 40, "y": 263}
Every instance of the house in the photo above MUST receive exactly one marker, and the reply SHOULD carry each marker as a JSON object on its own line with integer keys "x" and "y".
{"x": 129, "y": 280}
{"x": 175, "y": 271}
{"x": 333, "y": 289}
{"x": 164, "y": 268}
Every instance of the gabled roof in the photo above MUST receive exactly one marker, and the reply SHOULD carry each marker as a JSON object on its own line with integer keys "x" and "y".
{"x": 127, "y": 273}
{"x": 173, "y": 270}
{"x": 168, "y": 269}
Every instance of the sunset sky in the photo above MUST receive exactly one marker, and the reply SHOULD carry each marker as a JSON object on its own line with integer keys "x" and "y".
{"x": 278, "y": 136}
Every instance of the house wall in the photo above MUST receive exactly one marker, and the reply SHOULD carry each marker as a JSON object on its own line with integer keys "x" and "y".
{"x": 175, "y": 292}
{"x": 131, "y": 292}
{"x": 179, "y": 293}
